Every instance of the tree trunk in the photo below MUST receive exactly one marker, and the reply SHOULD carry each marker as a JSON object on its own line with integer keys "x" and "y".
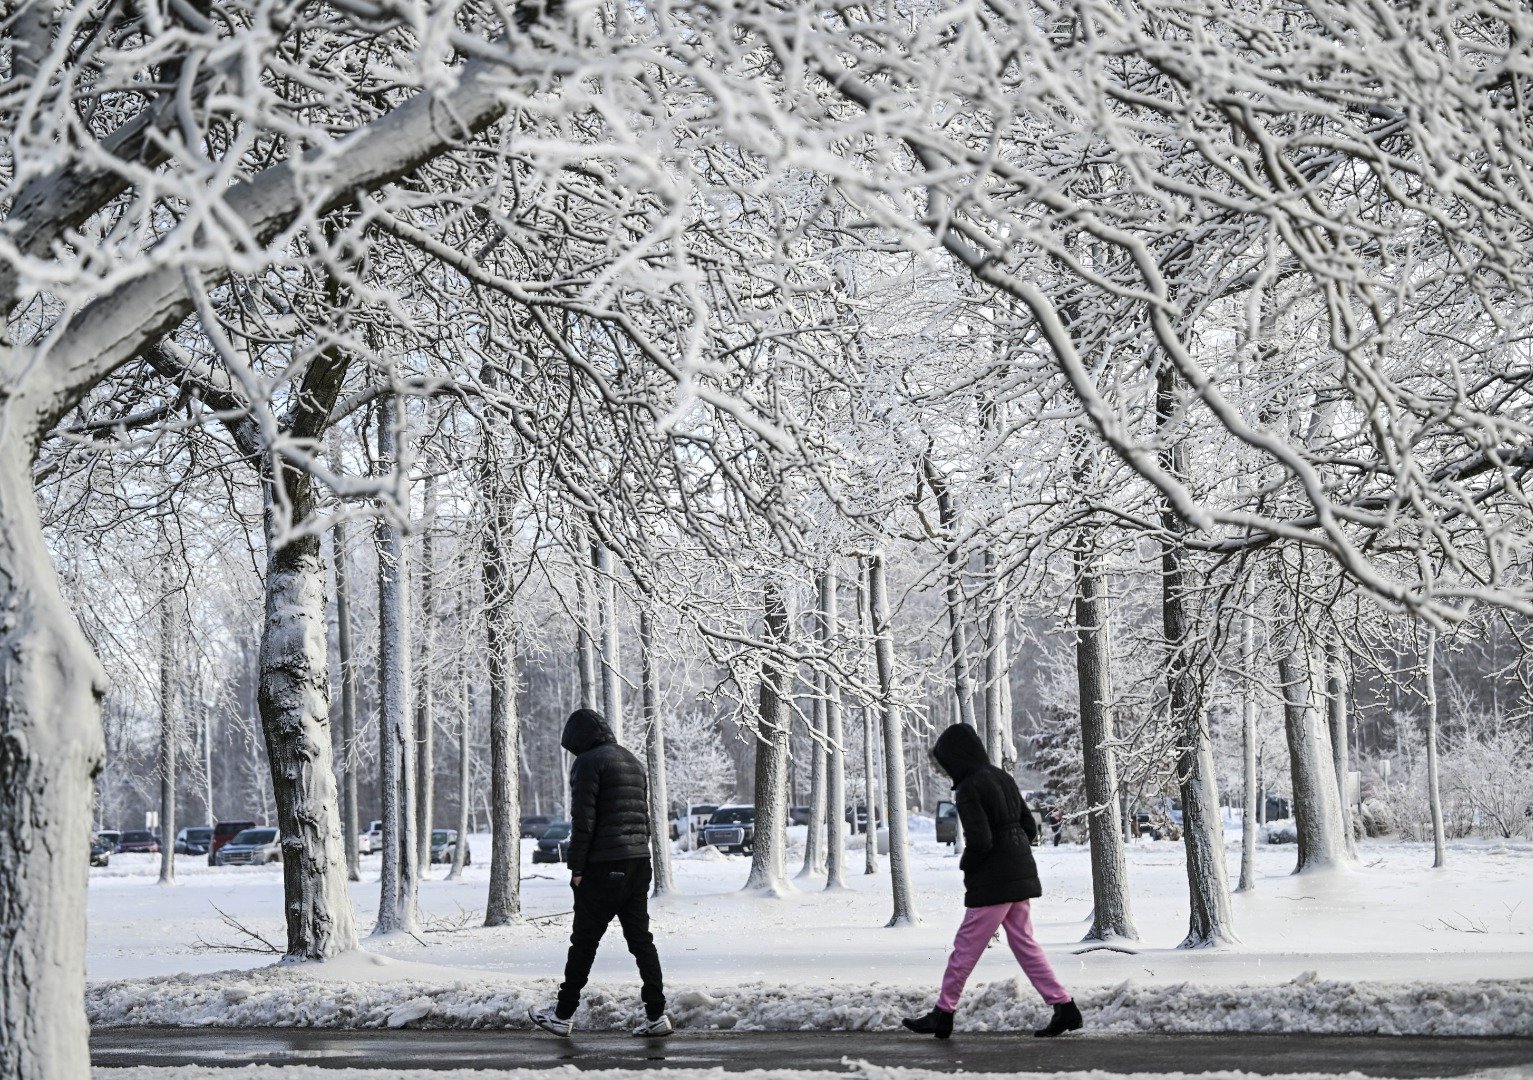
{"x": 835, "y": 743}
{"x": 894, "y": 748}
{"x": 1248, "y": 752}
{"x": 465, "y": 717}
{"x": 654, "y": 749}
{"x": 1211, "y": 918}
{"x": 585, "y": 644}
{"x": 1111, "y": 915}
{"x": 814, "y": 836}
{"x": 350, "y": 831}
{"x": 611, "y": 656}
{"x": 425, "y": 684}
{"x": 1316, "y": 802}
{"x": 1336, "y": 704}
{"x": 170, "y": 723}
{"x": 947, "y": 516}
{"x": 1434, "y": 788}
{"x": 997, "y": 671}
{"x": 768, "y": 856}
{"x": 397, "y": 899}
{"x": 869, "y": 793}
{"x": 505, "y": 900}
{"x": 50, "y": 749}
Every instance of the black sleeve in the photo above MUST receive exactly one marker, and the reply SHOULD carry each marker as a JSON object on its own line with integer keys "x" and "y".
{"x": 1029, "y": 823}
{"x": 977, "y": 837}
{"x": 585, "y": 786}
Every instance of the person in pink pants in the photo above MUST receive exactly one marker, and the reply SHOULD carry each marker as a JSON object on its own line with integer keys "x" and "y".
{"x": 1000, "y": 879}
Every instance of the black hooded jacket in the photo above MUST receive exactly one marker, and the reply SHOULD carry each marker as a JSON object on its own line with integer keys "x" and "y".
{"x": 998, "y": 827}
{"x": 609, "y": 804}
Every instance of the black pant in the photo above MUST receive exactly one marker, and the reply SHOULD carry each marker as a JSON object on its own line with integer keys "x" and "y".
{"x": 607, "y": 890}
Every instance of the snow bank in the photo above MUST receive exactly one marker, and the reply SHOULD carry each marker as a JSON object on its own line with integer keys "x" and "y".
{"x": 296, "y": 996}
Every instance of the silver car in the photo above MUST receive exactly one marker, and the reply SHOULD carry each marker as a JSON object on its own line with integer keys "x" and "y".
{"x": 443, "y": 844}
{"x": 253, "y": 847}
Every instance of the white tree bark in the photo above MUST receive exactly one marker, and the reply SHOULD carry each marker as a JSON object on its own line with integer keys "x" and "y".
{"x": 585, "y": 642}
{"x": 1434, "y": 786}
{"x": 350, "y": 827}
{"x": 465, "y": 719}
{"x": 654, "y": 751}
{"x": 505, "y": 900}
{"x": 1336, "y": 708}
{"x": 835, "y": 742}
{"x": 1111, "y": 915}
{"x": 814, "y": 837}
{"x": 768, "y": 873}
{"x": 611, "y": 654}
{"x": 425, "y": 687}
{"x": 995, "y": 666}
{"x": 50, "y": 746}
{"x": 1248, "y": 752}
{"x": 958, "y": 641}
{"x": 905, "y": 913}
{"x": 398, "y": 881}
{"x": 1316, "y": 799}
{"x": 170, "y": 721}
{"x": 870, "y": 790}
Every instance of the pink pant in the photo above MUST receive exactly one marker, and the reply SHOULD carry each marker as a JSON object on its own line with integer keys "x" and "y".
{"x": 979, "y": 925}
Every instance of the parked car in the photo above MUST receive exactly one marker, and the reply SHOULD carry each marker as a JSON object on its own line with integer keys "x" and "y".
{"x": 224, "y": 832}
{"x": 252, "y": 847}
{"x": 195, "y": 840}
{"x": 139, "y": 842}
{"x": 732, "y": 829}
{"x": 947, "y": 822}
{"x": 443, "y": 843}
{"x": 798, "y": 815}
{"x": 100, "y": 851}
{"x": 534, "y": 824}
{"x": 111, "y": 838}
{"x": 859, "y": 823}
{"x": 554, "y": 844}
{"x": 1145, "y": 826}
{"x": 371, "y": 841}
{"x": 691, "y": 818}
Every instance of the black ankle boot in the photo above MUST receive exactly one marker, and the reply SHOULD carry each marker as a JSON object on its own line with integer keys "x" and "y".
{"x": 938, "y": 1022}
{"x": 1066, "y": 1018}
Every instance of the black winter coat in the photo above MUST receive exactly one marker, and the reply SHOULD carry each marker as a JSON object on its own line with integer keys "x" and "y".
{"x": 609, "y": 800}
{"x": 998, "y": 827}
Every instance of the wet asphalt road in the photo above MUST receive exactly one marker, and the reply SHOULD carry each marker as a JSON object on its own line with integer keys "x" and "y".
{"x": 1274, "y": 1055}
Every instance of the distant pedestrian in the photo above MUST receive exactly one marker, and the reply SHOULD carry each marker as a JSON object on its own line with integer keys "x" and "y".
{"x": 999, "y": 878}
{"x": 610, "y": 870}
{"x": 1056, "y": 820}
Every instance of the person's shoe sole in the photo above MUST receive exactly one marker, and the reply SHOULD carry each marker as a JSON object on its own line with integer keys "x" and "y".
{"x": 532, "y": 1015}
{"x": 1047, "y": 1034}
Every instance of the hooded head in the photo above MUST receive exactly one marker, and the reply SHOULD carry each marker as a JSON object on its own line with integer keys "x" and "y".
{"x": 959, "y": 751}
{"x": 585, "y": 730}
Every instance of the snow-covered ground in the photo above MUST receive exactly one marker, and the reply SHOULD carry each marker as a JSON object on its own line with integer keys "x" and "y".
{"x": 1392, "y": 946}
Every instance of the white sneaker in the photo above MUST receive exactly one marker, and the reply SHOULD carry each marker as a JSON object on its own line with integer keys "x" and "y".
{"x": 548, "y": 1019}
{"x": 654, "y": 1029}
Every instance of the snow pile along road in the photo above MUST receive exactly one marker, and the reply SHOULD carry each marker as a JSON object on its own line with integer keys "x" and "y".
{"x": 297, "y": 996}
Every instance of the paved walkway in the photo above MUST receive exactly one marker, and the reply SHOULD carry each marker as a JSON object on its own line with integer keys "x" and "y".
{"x": 1273, "y": 1055}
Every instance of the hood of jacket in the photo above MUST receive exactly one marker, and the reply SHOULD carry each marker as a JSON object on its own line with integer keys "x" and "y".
{"x": 960, "y": 751}
{"x": 585, "y": 730}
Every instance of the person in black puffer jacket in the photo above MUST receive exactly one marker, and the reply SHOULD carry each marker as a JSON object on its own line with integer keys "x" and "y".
{"x": 610, "y": 870}
{"x": 999, "y": 878}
